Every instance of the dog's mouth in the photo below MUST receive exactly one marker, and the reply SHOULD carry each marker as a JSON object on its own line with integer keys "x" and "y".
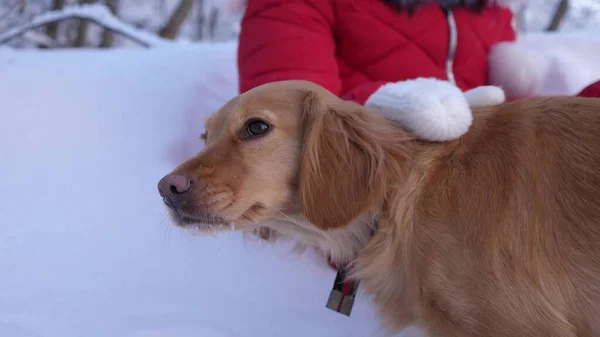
{"x": 204, "y": 222}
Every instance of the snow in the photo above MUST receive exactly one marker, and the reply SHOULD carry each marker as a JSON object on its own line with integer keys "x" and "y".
{"x": 98, "y": 13}
{"x": 573, "y": 58}
{"x": 541, "y": 64}
{"x": 582, "y": 15}
{"x": 151, "y": 16}
{"x": 86, "y": 248}
{"x": 208, "y": 20}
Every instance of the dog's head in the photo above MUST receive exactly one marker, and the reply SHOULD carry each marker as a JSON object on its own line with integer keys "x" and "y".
{"x": 284, "y": 148}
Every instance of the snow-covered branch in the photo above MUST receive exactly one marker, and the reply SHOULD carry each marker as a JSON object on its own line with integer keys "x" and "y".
{"x": 96, "y": 13}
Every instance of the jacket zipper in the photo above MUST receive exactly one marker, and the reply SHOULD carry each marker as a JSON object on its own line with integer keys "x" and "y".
{"x": 452, "y": 45}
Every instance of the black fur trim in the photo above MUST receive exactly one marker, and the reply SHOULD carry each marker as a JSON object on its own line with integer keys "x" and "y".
{"x": 412, "y": 5}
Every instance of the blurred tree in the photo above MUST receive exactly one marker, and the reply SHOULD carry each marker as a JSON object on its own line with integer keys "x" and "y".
{"x": 82, "y": 28}
{"x": 218, "y": 20}
{"x": 172, "y": 27}
{"x": 108, "y": 36}
{"x": 52, "y": 29}
{"x": 200, "y": 19}
{"x": 559, "y": 15}
{"x": 213, "y": 20}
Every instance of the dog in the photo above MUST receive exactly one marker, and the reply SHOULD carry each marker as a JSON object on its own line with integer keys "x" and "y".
{"x": 496, "y": 233}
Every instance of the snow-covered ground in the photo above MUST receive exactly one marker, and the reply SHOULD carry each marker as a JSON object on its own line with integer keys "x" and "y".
{"x": 85, "y": 245}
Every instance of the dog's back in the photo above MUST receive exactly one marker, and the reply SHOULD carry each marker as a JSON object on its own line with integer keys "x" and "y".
{"x": 508, "y": 238}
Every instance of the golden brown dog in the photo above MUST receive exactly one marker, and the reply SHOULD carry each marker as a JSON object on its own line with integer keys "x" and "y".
{"x": 494, "y": 234}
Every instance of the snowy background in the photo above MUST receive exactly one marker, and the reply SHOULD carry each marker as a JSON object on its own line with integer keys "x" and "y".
{"x": 218, "y": 20}
{"x": 88, "y": 124}
{"x": 85, "y": 245}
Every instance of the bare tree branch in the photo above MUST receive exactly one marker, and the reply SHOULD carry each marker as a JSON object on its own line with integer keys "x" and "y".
{"x": 96, "y": 13}
{"x": 559, "y": 14}
{"x": 81, "y": 35}
{"x": 107, "y": 36}
{"x": 82, "y": 28}
{"x": 52, "y": 29}
{"x": 200, "y": 19}
{"x": 212, "y": 22}
{"x": 180, "y": 14}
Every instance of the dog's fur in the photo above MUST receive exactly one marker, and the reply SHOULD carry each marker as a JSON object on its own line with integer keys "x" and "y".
{"x": 494, "y": 234}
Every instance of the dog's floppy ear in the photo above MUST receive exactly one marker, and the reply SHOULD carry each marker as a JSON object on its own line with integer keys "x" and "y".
{"x": 342, "y": 173}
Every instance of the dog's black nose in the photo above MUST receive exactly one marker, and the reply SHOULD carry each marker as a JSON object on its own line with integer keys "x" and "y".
{"x": 173, "y": 187}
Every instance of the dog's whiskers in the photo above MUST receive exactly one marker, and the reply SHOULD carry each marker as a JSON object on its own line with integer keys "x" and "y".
{"x": 224, "y": 243}
{"x": 166, "y": 228}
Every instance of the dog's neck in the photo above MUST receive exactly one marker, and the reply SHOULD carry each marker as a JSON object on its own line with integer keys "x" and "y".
{"x": 341, "y": 244}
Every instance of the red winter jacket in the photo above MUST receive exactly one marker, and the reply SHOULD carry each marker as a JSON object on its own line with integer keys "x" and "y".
{"x": 351, "y": 47}
{"x": 592, "y": 90}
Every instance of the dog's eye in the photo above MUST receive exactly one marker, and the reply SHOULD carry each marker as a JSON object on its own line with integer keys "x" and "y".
{"x": 256, "y": 128}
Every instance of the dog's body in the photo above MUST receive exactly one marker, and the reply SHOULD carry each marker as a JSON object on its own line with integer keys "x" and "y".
{"x": 495, "y": 234}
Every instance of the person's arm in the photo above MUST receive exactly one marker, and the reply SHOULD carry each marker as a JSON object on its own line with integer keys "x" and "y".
{"x": 362, "y": 93}
{"x": 288, "y": 40}
{"x": 592, "y": 90}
